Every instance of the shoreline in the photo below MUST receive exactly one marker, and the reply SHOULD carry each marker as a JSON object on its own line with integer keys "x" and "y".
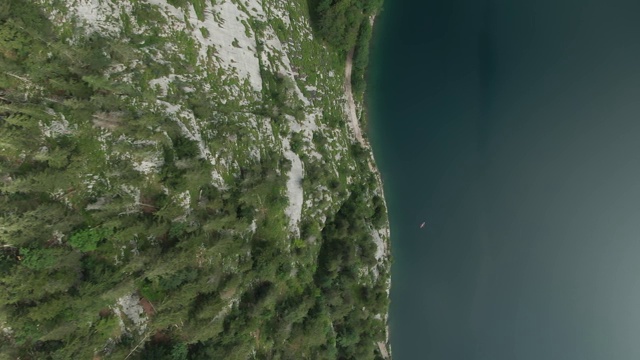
{"x": 351, "y": 110}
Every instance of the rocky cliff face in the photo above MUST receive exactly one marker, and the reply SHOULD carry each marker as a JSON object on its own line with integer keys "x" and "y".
{"x": 184, "y": 179}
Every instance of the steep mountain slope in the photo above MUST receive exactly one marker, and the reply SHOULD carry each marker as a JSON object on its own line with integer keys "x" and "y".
{"x": 180, "y": 179}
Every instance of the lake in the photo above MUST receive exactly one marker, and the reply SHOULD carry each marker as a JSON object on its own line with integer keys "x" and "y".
{"x": 512, "y": 129}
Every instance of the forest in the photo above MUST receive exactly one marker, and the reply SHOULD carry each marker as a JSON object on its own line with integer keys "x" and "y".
{"x": 69, "y": 252}
{"x": 347, "y": 26}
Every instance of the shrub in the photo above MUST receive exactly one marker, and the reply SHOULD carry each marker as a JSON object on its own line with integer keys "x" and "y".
{"x": 37, "y": 259}
{"x": 88, "y": 239}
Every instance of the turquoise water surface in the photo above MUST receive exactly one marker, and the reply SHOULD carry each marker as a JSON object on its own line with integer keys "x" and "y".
{"x": 512, "y": 129}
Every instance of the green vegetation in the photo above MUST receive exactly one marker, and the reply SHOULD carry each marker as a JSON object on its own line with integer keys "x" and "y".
{"x": 346, "y": 26}
{"x": 361, "y": 58}
{"x": 339, "y": 21}
{"x": 87, "y": 240}
{"x": 104, "y": 258}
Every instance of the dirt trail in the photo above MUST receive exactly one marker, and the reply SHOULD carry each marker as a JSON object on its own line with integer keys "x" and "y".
{"x": 383, "y": 350}
{"x": 351, "y": 104}
{"x": 355, "y": 126}
{"x": 350, "y": 109}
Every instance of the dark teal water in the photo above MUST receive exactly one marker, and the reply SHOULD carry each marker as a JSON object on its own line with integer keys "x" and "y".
{"x": 512, "y": 128}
